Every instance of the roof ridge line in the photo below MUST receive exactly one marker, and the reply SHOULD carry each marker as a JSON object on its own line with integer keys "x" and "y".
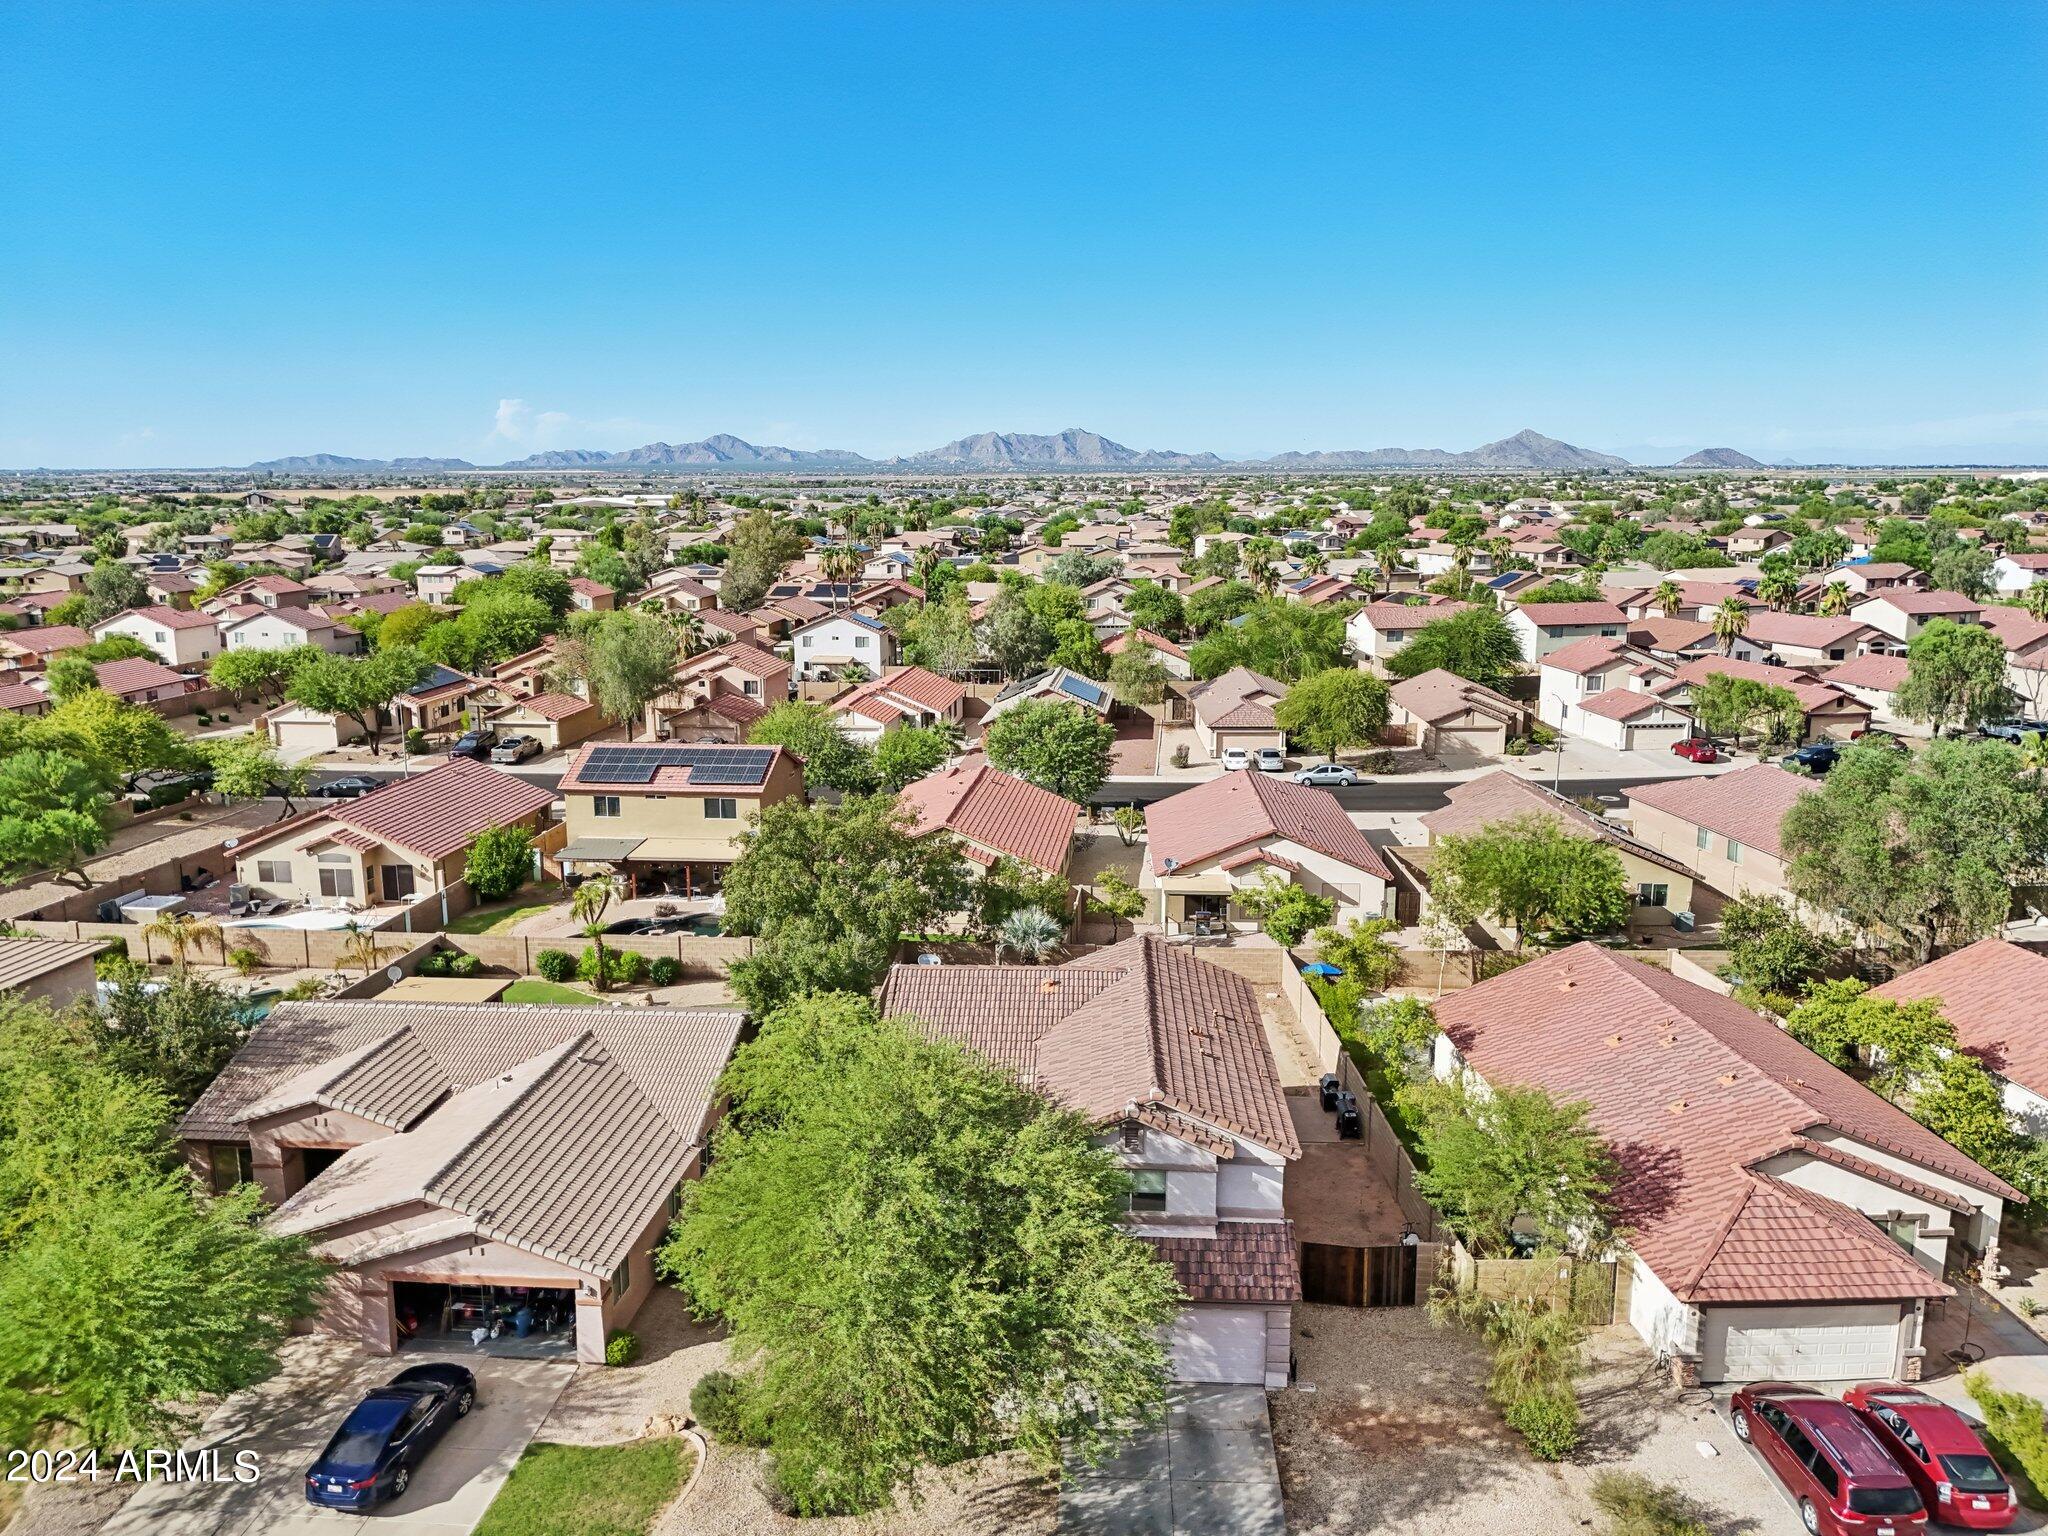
{"x": 513, "y": 1101}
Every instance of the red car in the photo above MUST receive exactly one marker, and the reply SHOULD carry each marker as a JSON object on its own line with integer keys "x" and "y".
{"x": 1831, "y": 1461}
{"x": 1957, "y": 1479}
{"x": 1697, "y": 751}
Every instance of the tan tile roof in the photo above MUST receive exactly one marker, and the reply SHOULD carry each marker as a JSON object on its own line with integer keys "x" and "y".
{"x": 1996, "y": 996}
{"x": 1785, "y": 1243}
{"x": 1564, "y": 615}
{"x": 1503, "y": 795}
{"x": 996, "y": 810}
{"x": 1748, "y": 805}
{"x": 1244, "y": 807}
{"x": 45, "y": 639}
{"x": 1438, "y": 695}
{"x": 1141, "y": 1023}
{"x": 1872, "y": 670}
{"x": 1246, "y": 1261}
{"x": 1801, "y": 684}
{"x": 23, "y": 960}
{"x": 1587, "y": 655}
{"x": 556, "y": 706}
{"x": 1622, "y": 703}
{"x": 1233, "y": 701}
{"x": 1692, "y": 1090}
{"x": 390, "y": 1081}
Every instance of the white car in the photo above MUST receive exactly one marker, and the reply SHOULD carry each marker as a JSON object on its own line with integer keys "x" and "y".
{"x": 1235, "y": 758}
{"x": 1329, "y": 776}
{"x": 1272, "y": 760}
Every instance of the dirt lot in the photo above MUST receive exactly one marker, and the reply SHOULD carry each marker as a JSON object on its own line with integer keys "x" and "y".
{"x": 1398, "y": 1437}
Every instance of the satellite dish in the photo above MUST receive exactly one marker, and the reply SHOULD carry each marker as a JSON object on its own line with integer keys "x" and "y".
{"x": 393, "y": 974}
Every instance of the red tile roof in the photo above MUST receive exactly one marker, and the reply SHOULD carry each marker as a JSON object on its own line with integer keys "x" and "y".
{"x": 46, "y": 639}
{"x": 1996, "y": 996}
{"x": 931, "y": 692}
{"x": 1747, "y": 805}
{"x": 15, "y": 697}
{"x": 1130, "y": 637}
{"x": 997, "y": 811}
{"x": 1503, "y": 795}
{"x": 1871, "y": 670}
{"x": 556, "y": 706}
{"x": 1559, "y": 615}
{"x": 139, "y": 674}
{"x": 1693, "y": 1091}
{"x": 1925, "y": 604}
{"x": 1246, "y": 807}
{"x": 749, "y": 658}
{"x": 436, "y": 813}
{"x": 1246, "y": 1261}
{"x": 1588, "y": 655}
{"x": 1621, "y": 703}
{"x": 1801, "y": 684}
{"x": 169, "y": 618}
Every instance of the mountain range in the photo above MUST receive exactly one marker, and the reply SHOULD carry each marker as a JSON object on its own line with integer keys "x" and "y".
{"x": 1074, "y": 449}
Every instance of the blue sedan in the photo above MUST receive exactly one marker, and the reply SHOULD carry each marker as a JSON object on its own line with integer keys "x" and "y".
{"x": 372, "y": 1456}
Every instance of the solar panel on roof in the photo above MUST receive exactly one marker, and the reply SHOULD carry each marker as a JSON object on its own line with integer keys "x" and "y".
{"x": 1081, "y": 689}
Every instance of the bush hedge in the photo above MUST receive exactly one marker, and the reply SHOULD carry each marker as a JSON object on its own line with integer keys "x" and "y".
{"x": 621, "y": 1347}
{"x": 2016, "y": 1434}
{"x": 554, "y": 964}
{"x": 666, "y": 971}
{"x": 622, "y": 967}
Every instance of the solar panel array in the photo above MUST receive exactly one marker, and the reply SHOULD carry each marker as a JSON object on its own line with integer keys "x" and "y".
{"x": 1081, "y": 689}
{"x": 707, "y": 764}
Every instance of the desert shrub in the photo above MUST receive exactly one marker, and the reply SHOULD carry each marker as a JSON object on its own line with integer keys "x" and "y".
{"x": 1637, "y": 1506}
{"x": 621, "y": 1347}
{"x": 113, "y": 961}
{"x": 666, "y": 971}
{"x": 622, "y": 967}
{"x": 415, "y": 742}
{"x": 1548, "y": 1420}
{"x": 2014, "y": 1428}
{"x": 1180, "y": 757}
{"x": 719, "y": 1402}
{"x": 305, "y": 987}
{"x": 245, "y": 960}
{"x": 1537, "y": 1356}
{"x": 555, "y": 964}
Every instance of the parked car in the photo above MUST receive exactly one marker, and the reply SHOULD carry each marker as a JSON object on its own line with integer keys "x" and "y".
{"x": 1330, "y": 776}
{"x": 701, "y": 924}
{"x": 2015, "y": 730}
{"x": 1697, "y": 751}
{"x": 1954, "y": 1475}
{"x": 344, "y": 789}
{"x": 1235, "y": 758}
{"x": 1838, "y": 1472}
{"x": 1271, "y": 760}
{"x": 1815, "y": 757}
{"x": 372, "y": 1457}
{"x": 476, "y": 743}
{"x": 516, "y": 749}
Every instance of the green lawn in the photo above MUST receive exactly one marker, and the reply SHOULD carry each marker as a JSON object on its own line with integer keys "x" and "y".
{"x": 589, "y": 1490}
{"x": 532, "y": 989}
{"x": 498, "y": 918}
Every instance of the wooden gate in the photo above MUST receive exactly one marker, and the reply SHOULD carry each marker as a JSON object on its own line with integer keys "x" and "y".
{"x": 1383, "y": 1275}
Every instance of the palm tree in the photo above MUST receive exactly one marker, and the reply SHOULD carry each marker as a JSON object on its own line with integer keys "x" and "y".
{"x": 181, "y": 933}
{"x": 1778, "y": 588}
{"x": 1259, "y": 572}
{"x": 1315, "y": 562}
{"x": 588, "y": 906}
{"x": 2034, "y": 753}
{"x": 361, "y": 949}
{"x": 2035, "y": 600}
{"x": 923, "y": 565}
{"x": 840, "y": 565}
{"x": 1032, "y": 932}
{"x": 1731, "y": 619}
{"x": 1834, "y": 601}
{"x": 1669, "y": 596}
{"x": 689, "y": 631}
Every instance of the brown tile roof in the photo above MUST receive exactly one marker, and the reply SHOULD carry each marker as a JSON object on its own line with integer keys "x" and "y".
{"x": 1665, "y": 635}
{"x": 390, "y": 1081}
{"x": 991, "y": 808}
{"x": 1246, "y": 1261}
{"x": 433, "y": 814}
{"x": 1503, "y": 795}
{"x": 1140, "y": 1023}
{"x": 1130, "y": 637}
{"x": 1871, "y": 670}
{"x": 1587, "y": 655}
{"x": 931, "y": 692}
{"x": 20, "y": 696}
{"x": 1438, "y": 695}
{"x": 1808, "y": 631}
{"x": 748, "y": 658}
{"x": 1926, "y": 604}
{"x": 169, "y": 618}
{"x": 1383, "y": 617}
{"x": 1996, "y": 996}
{"x": 1564, "y": 615}
{"x": 1227, "y": 813}
{"x": 1691, "y": 1090}
{"x": 1801, "y": 684}
{"x": 1232, "y": 701}
{"x": 556, "y": 706}
{"x": 45, "y": 639}
{"x": 1747, "y": 805}
{"x": 1621, "y": 703}
{"x": 139, "y": 674}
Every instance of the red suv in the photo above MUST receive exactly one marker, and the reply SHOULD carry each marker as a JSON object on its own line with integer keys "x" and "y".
{"x": 1956, "y": 1477}
{"x": 1844, "y": 1480}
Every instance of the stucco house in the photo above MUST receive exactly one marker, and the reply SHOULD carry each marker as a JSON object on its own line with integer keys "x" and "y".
{"x": 995, "y": 815}
{"x": 1208, "y": 843}
{"x": 906, "y": 696}
{"x": 179, "y": 636}
{"x": 1902, "y": 614}
{"x": 1166, "y": 1054}
{"x": 1378, "y": 631}
{"x": 282, "y": 629}
{"x": 838, "y": 641}
{"x": 1449, "y": 716}
{"x": 1996, "y": 995}
{"x": 1545, "y": 627}
{"x": 1236, "y": 710}
{"x": 472, "y": 1173}
{"x": 1724, "y": 828}
{"x": 1783, "y": 1221}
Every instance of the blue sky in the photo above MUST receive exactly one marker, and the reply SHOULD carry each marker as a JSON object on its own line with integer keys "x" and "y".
{"x": 239, "y": 231}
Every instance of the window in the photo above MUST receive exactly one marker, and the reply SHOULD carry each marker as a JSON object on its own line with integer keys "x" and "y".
{"x": 1649, "y": 895}
{"x": 228, "y": 1165}
{"x": 337, "y": 882}
{"x": 622, "y": 1279}
{"x": 273, "y": 871}
{"x": 604, "y": 805}
{"x": 399, "y": 882}
{"x": 1734, "y": 851}
{"x": 750, "y": 688}
{"x": 1148, "y": 1190}
{"x": 860, "y": 642}
{"x": 721, "y": 808}
{"x": 1703, "y": 838}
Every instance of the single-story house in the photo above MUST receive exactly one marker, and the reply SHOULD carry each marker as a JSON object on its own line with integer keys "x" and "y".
{"x": 905, "y": 696}
{"x": 1236, "y": 710}
{"x": 1166, "y": 1054}
{"x": 1829, "y": 712}
{"x": 556, "y": 720}
{"x": 1059, "y": 685}
{"x": 54, "y": 971}
{"x": 1447, "y": 715}
{"x": 1872, "y": 679}
{"x": 1782, "y": 1220}
{"x": 472, "y": 1173}
{"x": 1996, "y": 996}
{"x": 1206, "y": 844}
{"x": 995, "y": 815}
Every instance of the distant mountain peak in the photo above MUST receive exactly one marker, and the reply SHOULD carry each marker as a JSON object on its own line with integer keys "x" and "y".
{"x": 1718, "y": 458}
{"x": 1074, "y": 448}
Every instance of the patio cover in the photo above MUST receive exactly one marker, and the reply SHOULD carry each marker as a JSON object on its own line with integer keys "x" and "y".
{"x": 598, "y": 850}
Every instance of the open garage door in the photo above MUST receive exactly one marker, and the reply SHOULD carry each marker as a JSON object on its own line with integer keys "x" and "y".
{"x": 1225, "y": 1344}
{"x": 1858, "y": 1343}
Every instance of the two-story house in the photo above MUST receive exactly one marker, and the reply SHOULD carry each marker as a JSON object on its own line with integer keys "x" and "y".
{"x": 837, "y": 642}
{"x": 1377, "y": 631}
{"x": 180, "y": 637}
{"x": 1545, "y": 627}
{"x": 669, "y": 816}
{"x": 1166, "y": 1054}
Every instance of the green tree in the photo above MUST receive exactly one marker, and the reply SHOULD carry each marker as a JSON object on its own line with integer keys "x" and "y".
{"x": 1332, "y": 710}
{"x": 1018, "y": 1311}
{"x": 1013, "y": 635}
{"x": 1286, "y": 911}
{"x": 1476, "y": 644}
{"x": 111, "y": 587}
{"x": 1217, "y": 605}
{"x": 1955, "y": 675}
{"x": 1057, "y": 746}
{"x": 1151, "y": 606}
{"x": 70, "y": 676}
{"x": 1531, "y": 873}
{"x": 939, "y": 636}
{"x": 247, "y": 767}
{"x": 1137, "y": 677}
{"x": 626, "y": 658}
{"x": 1736, "y": 707}
{"x": 127, "y": 1293}
{"x": 1009, "y": 887}
{"x": 53, "y": 813}
{"x": 410, "y": 625}
{"x": 358, "y": 688}
{"x": 759, "y": 549}
{"x": 1115, "y": 898}
{"x": 1360, "y": 949}
{"x": 1921, "y": 850}
{"x": 588, "y": 906}
{"x": 811, "y": 731}
{"x": 910, "y": 752}
{"x": 499, "y": 860}
{"x": 175, "y": 1032}
{"x": 1965, "y": 569}
{"x": 1280, "y": 639}
{"x": 1769, "y": 948}
{"x": 828, "y": 890}
{"x": 122, "y": 739}
{"x": 1894, "y": 1042}
{"x": 262, "y": 674}
{"x": 1493, "y": 1159}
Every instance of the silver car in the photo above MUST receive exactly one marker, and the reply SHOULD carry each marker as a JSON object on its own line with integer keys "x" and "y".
{"x": 1329, "y": 776}
{"x": 1272, "y": 760}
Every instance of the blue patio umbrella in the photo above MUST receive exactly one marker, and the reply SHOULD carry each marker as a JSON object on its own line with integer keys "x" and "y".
{"x": 1321, "y": 968}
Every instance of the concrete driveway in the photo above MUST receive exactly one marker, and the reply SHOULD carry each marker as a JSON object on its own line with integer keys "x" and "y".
{"x": 1207, "y": 1471}
{"x": 288, "y": 1419}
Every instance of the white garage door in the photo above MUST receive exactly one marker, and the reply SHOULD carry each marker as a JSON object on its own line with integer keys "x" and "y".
{"x": 1801, "y": 1343}
{"x": 1220, "y": 1344}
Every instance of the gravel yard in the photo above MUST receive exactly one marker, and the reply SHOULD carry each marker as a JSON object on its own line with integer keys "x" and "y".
{"x": 1398, "y": 1436}
{"x": 995, "y": 1497}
